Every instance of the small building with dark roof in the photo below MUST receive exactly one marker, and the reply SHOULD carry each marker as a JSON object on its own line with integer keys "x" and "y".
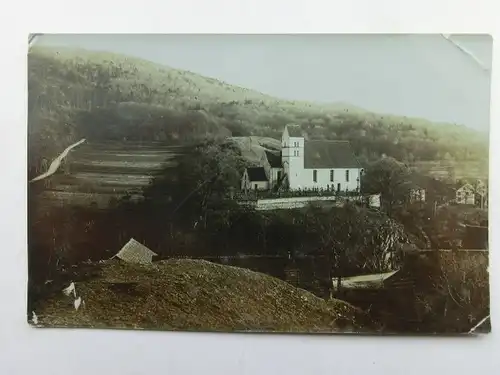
{"x": 254, "y": 178}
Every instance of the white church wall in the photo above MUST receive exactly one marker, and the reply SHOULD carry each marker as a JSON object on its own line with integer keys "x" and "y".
{"x": 288, "y": 203}
{"x": 274, "y": 175}
{"x": 299, "y": 202}
{"x": 257, "y": 185}
{"x": 293, "y": 158}
{"x": 303, "y": 179}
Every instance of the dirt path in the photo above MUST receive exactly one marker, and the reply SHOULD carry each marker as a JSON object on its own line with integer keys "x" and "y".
{"x": 54, "y": 166}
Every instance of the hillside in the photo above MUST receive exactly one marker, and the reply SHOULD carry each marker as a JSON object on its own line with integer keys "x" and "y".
{"x": 194, "y": 295}
{"x": 108, "y": 97}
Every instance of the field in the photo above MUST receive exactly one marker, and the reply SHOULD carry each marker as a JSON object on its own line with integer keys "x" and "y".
{"x": 96, "y": 172}
{"x": 453, "y": 169}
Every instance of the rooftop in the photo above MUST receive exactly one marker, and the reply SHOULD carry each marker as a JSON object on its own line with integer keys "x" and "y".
{"x": 329, "y": 154}
{"x": 135, "y": 252}
{"x": 365, "y": 281}
{"x": 273, "y": 159}
{"x": 256, "y": 174}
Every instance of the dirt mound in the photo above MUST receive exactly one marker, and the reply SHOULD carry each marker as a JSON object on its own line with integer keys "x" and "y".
{"x": 195, "y": 295}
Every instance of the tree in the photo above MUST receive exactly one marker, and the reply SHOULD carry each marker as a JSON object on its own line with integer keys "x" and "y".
{"x": 458, "y": 295}
{"x": 352, "y": 239}
{"x": 199, "y": 185}
{"x": 381, "y": 244}
{"x": 390, "y": 178}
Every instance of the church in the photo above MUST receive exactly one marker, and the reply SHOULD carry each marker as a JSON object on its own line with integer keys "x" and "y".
{"x": 305, "y": 165}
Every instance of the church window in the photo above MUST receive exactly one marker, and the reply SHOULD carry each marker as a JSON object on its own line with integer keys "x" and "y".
{"x": 315, "y": 175}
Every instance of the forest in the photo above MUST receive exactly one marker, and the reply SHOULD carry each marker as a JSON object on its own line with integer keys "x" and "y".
{"x": 103, "y": 96}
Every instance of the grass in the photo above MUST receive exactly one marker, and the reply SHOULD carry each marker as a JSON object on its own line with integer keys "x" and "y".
{"x": 195, "y": 295}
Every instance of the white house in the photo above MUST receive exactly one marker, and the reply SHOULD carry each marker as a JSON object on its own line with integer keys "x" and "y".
{"x": 465, "y": 195}
{"x": 318, "y": 164}
{"x": 417, "y": 194}
{"x": 254, "y": 178}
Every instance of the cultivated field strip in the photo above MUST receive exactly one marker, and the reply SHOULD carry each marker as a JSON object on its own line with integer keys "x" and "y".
{"x": 454, "y": 170}
{"x": 97, "y": 172}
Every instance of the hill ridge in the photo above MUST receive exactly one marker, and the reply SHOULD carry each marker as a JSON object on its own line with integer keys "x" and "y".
{"x": 105, "y": 96}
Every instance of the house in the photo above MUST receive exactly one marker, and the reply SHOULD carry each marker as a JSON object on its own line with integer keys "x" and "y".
{"x": 254, "y": 178}
{"x": 135, "y": 252}
{"x": 417, "y": 194}
{"x": 465, "y": 195}
{"x": 474, "y": 193}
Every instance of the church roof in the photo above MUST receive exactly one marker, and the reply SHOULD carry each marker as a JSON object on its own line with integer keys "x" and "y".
{"x": 273, "y": 159}
{"x": 256, "y": 174}
{"x": 329, "y": 154}
{"x": 294, "y": 131}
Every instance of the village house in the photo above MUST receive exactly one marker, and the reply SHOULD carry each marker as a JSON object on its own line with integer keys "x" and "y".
{"x": 254, "y": 178}
{"x": 472, "y": 194}
{"x": 306, "y": 165}
{"x": 465, "y": 195}
{"x": 417, "y": 194}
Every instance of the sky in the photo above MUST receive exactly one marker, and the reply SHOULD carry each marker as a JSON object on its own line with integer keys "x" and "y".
{"x": 425, "y": 76}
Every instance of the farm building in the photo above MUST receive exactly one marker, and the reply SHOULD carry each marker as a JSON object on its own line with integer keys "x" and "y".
{"x": 417, "y": 194}
{"x": 254, "y": 178}
{"x": 465, "y": 195}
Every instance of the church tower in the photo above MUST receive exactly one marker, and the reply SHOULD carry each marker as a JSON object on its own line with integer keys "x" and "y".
{"x": 292, "y": 154}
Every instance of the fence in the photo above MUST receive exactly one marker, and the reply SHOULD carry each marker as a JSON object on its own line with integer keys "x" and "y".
{"x": 256, "y": 195}
{"x": 291, "y": 202}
